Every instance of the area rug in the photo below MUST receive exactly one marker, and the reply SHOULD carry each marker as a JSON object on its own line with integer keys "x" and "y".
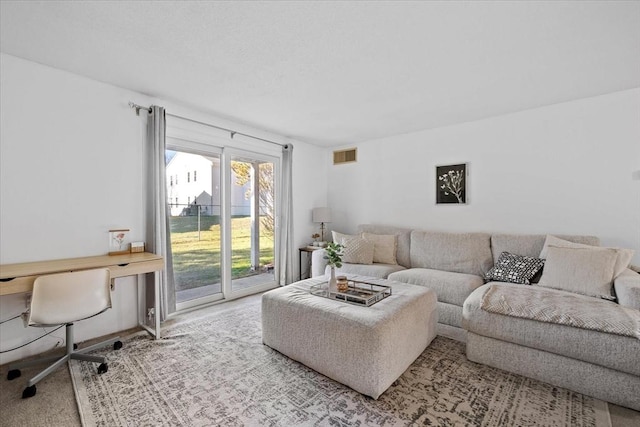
{"x": 214, "y": 370}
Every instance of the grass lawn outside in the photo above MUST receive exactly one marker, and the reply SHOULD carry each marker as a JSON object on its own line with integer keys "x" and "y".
{"x": 196, "y": 260}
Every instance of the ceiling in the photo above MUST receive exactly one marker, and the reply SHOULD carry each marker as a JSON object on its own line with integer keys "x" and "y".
{"x": 334, "y": 73}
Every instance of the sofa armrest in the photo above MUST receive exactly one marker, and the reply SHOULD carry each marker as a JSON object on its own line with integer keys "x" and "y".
{"x": 627, "y": 286}
{"x": 318, "y": 263}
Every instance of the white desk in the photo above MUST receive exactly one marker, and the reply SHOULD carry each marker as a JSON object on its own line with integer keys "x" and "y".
{"x": 19, "y": 278}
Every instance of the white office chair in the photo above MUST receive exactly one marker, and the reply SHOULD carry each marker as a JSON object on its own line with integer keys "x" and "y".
{"x": 63, "y": 299}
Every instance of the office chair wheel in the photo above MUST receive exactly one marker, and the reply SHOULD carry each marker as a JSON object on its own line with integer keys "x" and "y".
{"x": 117, "y": 345}
{"x": 13, "y": 374}
{"x": 102, "y": 368}
{"x": 29, "y": 392}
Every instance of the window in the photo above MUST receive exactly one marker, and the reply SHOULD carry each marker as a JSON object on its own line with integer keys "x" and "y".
{"x": 188, "y": 176}
{"x": 194, "y": 176}
{"x": 171, "y": 183}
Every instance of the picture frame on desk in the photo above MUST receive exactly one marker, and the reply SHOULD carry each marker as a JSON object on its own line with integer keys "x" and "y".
{"x": 119, "y": 241}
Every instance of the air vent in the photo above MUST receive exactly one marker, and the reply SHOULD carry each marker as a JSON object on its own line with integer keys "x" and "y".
{"x": 345, "y": 156}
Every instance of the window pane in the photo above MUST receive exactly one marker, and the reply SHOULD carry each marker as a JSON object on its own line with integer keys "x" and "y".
{"x": 252, "y": 223}
{"x": 194, "y": 225}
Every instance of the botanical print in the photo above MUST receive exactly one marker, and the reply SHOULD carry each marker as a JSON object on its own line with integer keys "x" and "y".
{"x": 118, "y": 241}
{"x": 451, "y": 183}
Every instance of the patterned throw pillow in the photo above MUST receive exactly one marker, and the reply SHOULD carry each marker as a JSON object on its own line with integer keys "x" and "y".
{"x": 514, "y": 268}
{"x": 357, "y": 250}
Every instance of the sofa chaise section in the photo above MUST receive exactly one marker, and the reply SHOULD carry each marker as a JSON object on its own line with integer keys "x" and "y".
{"x": 593, "y": 362}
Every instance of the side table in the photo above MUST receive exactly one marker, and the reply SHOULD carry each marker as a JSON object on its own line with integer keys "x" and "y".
{"x": 308, "y": 250}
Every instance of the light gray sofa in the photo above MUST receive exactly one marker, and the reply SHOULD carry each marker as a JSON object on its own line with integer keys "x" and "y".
{"x": 451, "y": 264}
{"x": 600, "y": 364}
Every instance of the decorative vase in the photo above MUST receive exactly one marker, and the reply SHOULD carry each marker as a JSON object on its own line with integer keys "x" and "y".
{"x": 333, "y": 283}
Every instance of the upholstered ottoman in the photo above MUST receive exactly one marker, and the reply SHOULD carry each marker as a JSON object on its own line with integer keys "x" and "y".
{"x": 365, "y": 348}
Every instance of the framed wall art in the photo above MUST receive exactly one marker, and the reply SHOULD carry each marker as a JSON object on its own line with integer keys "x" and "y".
{"x": 451, "y": 184}
{"x": 119, "y": 241}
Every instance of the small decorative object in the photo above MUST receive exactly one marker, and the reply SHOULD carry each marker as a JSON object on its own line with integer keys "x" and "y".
{"x": 333, "y": 255}
{"x": 451, "y": 184}
{"x": 137, "y": 247}
{"x": 315, "y": 237}
{"x": 342, "y": 283}
{"x": 119, "y": 241}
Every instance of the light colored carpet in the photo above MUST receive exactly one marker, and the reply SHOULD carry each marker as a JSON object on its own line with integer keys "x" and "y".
{"x": 214, "y": 370}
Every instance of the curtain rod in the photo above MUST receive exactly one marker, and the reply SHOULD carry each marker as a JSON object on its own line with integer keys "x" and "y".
{"x": 231, "y": 131}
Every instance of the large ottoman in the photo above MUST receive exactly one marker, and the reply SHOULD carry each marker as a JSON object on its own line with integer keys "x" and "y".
{"x": 365, "y": 348}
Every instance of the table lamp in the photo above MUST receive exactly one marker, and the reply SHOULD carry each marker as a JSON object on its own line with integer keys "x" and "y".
{"x": 321, "y": 215}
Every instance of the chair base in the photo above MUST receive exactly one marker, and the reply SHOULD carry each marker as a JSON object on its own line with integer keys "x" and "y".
{"x": 30, "y": 391}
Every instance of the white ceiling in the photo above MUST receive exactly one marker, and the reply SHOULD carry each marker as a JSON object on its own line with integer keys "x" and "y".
{"x": 334, "y": 73}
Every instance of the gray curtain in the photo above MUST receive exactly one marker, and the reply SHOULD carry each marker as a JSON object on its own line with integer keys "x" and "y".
{"x": 157, "y": 213}
{"x": 286, "y": 254}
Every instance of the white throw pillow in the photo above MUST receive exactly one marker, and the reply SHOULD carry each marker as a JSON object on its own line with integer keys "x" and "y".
{"x": 384, "y": 247}
{"x": 587, "y": 271}
{"x": 622, "y": 260}
{"x": 339, "y": 237}
{"x": 357, "y": 250}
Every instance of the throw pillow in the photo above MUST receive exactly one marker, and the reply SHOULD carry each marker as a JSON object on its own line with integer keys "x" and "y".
{"x": 357, "y": 250}
{"x": 339, "y": 237}
{"x": 384, "y": 247}
{"x": 587, "y": 271}
{"x": 514, "y": 268}
{"x": 622, "y": 260}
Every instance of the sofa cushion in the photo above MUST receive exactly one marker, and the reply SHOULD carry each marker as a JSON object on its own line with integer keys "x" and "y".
{"x": 530, "y": 244}
{"x": 514, "y": 268}
{"x": 580, "y": 270}
{"x": 627, "y": 288}
{"x": 384, "y": 247}
{"x": 450, "y": 314}
{"x": 623, "y": 255}
{"x": 601, "y": 348}
{"x": 452, "y": 288}
{"x": 357, "y": 250}
{"x": 468, "y": 253}
{"x": 381, "y": 271}
{"x": 340, "y": 237}
{"x": 403, "y": 240}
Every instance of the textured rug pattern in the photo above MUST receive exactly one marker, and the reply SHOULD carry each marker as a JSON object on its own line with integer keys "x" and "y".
{"x": 215, "y": 371}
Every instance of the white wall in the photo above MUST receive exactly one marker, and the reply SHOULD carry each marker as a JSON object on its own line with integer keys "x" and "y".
{"x": 74, "y": 147}
{"x": 565, "y": 168}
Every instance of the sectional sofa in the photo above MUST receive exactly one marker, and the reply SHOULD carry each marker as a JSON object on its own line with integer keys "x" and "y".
{"x": 561, "y": 329}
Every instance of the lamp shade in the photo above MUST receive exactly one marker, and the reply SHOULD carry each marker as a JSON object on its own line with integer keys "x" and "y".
{"x": 321, "y": 215}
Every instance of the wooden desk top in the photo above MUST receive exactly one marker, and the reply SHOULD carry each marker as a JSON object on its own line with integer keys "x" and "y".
{"x": 16, "y": 278}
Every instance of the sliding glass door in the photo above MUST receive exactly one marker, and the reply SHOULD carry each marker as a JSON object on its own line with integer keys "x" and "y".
{"x": 223, "y": 222}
